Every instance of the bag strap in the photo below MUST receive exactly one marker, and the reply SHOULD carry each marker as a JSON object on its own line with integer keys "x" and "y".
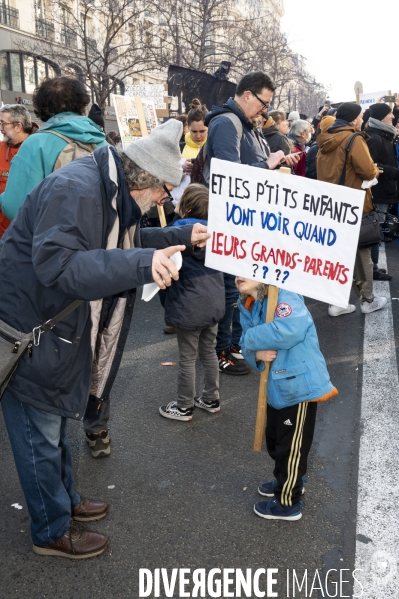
{"x": 89, "y": 147}
{"x": 50, "y": 324}
{"x": 348, "y": 148}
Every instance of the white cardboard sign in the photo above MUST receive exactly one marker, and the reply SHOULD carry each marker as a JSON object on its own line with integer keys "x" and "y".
{"x": 283, "y": 230}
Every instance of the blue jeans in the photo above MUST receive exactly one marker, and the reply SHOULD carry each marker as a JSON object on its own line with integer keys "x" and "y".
{"x": 42, "y": 456}
{"x": 231, "y": 319}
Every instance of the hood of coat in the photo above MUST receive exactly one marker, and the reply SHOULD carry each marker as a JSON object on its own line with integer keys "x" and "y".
{"x": 270, "y": 130}
{"x": 75, "y": 126}
{"x": 229, "y": 106}
{"x": 333, "y": 137}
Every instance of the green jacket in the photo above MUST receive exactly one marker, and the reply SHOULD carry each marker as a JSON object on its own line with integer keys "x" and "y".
{"x": 37, "y": 156}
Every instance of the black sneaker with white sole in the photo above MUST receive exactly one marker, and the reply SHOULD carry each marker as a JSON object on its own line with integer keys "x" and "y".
{"x": 230, "y": 365}
{"x": 175, "y": 413}
{"x": 236, "y": 352}
{"x": 210, "y": 406}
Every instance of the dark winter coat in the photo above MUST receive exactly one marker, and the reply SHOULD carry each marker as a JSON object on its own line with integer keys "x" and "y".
{"x": 223, "y": 141}
{"x": 311, "y": 172}
{"x": 276, "y": 140}
{"x": 54, "y": 252}
{"x": 382, "y": 150}
{"x": 196, "y": 300}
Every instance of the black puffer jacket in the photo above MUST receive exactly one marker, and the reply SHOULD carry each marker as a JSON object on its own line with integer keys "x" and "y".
{"x": 311, "y": 172}
{"x": 276, "y": 140}
{"x": 382, "y": 150}
{"x": 196, "y": 300}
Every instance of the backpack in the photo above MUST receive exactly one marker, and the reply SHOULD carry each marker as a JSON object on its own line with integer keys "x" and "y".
{"x": 201, "y": 166}
{"x": 72, "y": 151}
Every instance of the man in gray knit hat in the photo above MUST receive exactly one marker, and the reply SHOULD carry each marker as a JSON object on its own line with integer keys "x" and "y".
{"x": 77, "y": 237}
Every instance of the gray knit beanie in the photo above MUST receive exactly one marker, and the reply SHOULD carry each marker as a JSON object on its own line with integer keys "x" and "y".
{"x": 159, "y": 153}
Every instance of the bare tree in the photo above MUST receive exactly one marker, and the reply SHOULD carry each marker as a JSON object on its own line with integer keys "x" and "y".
{"x": 102, "y": 41}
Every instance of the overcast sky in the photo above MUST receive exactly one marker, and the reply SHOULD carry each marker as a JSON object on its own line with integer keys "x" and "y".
{"x": 346, "y": 41}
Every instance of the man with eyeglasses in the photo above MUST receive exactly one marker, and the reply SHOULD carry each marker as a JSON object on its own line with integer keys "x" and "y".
{"x": 77, "y": 236}
{"x": 233, "y": 137}
{"x": 15, "y": 127}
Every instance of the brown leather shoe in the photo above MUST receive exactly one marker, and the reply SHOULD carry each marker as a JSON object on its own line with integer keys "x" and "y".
{"x": 89, "y": 510}
{"x": 77, "y": 543}
{"x": 169, "y": 330}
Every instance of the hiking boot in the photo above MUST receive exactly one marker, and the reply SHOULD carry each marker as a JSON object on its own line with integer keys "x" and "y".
{"x": 381, "y": 275}
{"x": 89, "y": 510}
{"x": 376, "y": 304}
{"x": 230, "y": 365}
{"x": 274, "y": 510}
{"x": 236, "y": 352}
{"x": 267, "y": 489}
{"x": 169, "y": 330}
{"x": 210, "y": 406}
{"x": 77, "y": 543}
{"x": 99, "y": 444}
{"x": 337, "y": 311}
{"x": 175, "y": 413}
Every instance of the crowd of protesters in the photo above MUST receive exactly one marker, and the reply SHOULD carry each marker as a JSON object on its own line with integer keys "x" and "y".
{"x": 79, "y": 220}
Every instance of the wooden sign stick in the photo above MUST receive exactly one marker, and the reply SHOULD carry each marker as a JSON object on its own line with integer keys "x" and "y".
{"x": 272, "y": 300}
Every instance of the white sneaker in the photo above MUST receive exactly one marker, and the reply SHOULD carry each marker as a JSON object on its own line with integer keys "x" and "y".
{"x": 376, "y": 304}
{"x": 337, "y": 311}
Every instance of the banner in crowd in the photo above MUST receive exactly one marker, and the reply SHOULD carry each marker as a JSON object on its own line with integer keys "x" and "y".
{"x": 136, "y": 117}
{"x": 367, "y": 100}
{"x": 295, "y": 233}
{"x": 153, "y": 93}
{"x": 190, "y": 84}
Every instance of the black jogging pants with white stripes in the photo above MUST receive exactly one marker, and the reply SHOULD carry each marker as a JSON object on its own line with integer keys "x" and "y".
{"x": 289, "y": 436}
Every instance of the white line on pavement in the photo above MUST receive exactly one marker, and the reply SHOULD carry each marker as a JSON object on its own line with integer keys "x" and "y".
{"x": 377, "y": 545}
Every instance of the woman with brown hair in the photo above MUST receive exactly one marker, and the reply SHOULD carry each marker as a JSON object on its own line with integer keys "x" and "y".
{"x": 197, "y": 132}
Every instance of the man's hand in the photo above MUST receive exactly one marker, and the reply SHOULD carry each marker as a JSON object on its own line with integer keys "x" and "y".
{"x": 266, "y": 355}
{"x": 275, "y": 159}
{"x": 324, "y": 110}
{"x": 187, "y": 167}
{"x": 199, "y": 235}
{"x": 396, "y": 100}
{"x": 292, "y": 159}
{"x": 163, "y": 269}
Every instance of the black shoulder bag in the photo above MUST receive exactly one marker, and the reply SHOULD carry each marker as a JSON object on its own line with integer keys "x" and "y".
{"x": 370, "y": 231}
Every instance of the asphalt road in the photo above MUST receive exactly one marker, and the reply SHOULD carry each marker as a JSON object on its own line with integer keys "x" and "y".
{"x": 182, "y": 494}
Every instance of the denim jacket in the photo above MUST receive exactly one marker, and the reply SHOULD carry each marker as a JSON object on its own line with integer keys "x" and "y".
{"x": 299, "y": 372}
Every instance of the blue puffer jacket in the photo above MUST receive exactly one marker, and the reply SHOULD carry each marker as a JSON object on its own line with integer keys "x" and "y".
{"x": 299, "y": 372}
{"x": 196, "y": 300}
{"x": 223, "y": 141}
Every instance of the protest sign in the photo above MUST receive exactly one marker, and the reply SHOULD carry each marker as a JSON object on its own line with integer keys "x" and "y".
{"x": 367, "y": 100}
{"x": 136, "y": 117}
{"x": 291, "y": 232}
{"x": 151, "y": 92}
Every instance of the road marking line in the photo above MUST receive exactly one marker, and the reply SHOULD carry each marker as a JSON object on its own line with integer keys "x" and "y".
{"x": 378, "y": 486}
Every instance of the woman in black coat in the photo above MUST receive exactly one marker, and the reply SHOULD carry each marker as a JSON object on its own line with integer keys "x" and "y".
{"x": 276, "y": 132}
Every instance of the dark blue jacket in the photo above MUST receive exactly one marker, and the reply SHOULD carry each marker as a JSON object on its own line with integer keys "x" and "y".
{"x": 223, "y": 140}
{"x": 53, "y": 253}
{"x": 196, "y": 300}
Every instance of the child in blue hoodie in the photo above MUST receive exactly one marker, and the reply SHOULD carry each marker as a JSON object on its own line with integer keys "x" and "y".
{"x": 194, "y": 304}
{"x": 298, "y": 379}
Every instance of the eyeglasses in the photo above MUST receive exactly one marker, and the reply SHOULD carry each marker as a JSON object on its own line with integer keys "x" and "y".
{"x": 169, "y": 197}
{"x": 2, "y": 123}
{"x": 264, "y": 104}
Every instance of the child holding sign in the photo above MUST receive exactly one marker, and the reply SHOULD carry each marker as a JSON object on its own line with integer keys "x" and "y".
{"x": 194, "y": 304}
{"x": 298, "y": 379}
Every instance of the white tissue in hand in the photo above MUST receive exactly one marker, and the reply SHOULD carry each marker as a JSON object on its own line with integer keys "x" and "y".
{"x": 368, "y": 184}
{"x": 152, "y": 289}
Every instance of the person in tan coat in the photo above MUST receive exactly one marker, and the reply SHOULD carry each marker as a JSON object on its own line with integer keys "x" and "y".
{"x": 360, "y": 167}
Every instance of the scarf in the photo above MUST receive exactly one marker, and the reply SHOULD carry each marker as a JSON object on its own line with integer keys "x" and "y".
{"x": 376, "y": 124}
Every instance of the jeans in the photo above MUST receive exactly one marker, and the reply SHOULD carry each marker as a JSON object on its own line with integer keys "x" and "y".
{"x": 375, "y": 249}
{"x": 190, "y": 343}
{"x": 43, "y": 460}
{"x": 226, "y": 336}
{"x": 363, "y": 274}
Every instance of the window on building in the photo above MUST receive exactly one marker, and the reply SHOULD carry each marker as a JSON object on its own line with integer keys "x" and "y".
{"x": 16, "y": 75}
{"x": 29, "y": 74}
{"x": 41, "y": 71}
{"x": 4, "y": 73}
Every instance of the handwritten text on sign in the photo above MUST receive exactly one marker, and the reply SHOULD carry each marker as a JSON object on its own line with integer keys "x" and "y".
{"x": 283, "y": 230}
